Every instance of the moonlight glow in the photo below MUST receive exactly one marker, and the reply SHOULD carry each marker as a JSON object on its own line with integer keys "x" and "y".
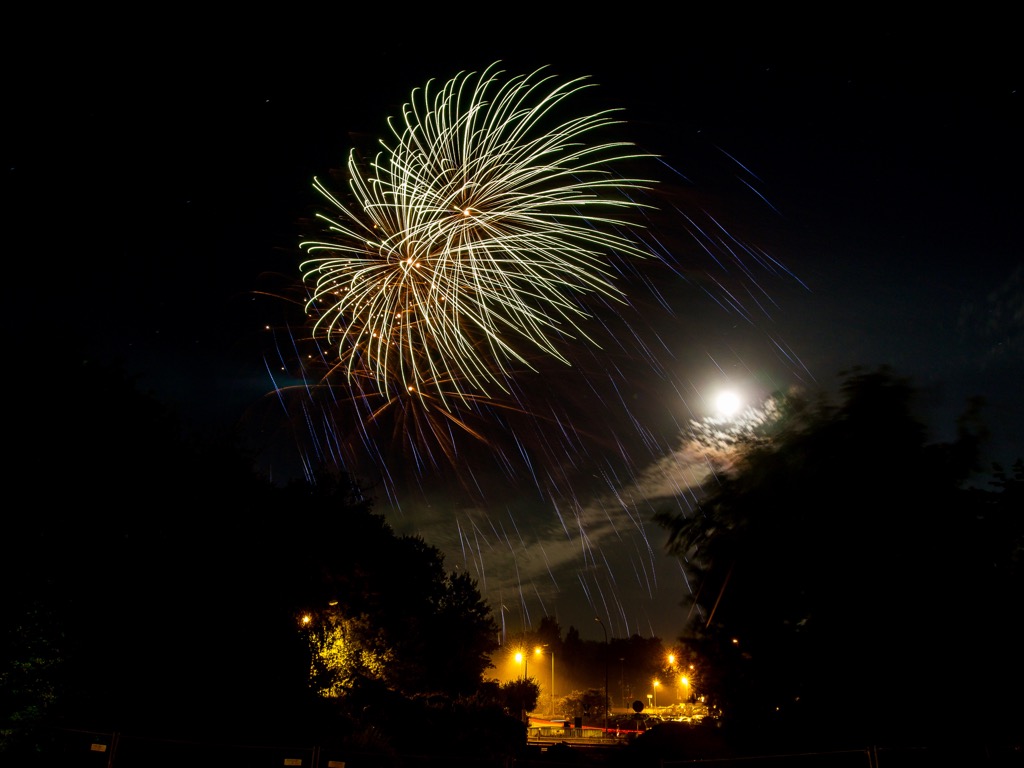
{"x": 727, "y": 403}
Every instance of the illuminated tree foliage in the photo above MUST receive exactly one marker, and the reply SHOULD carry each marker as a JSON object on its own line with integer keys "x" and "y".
{"x": 30, "y": 662}
{"x": 163, "y": 592}
{"x": 377, "y": 607}
{"x": 590, "y": 703}
{"x": 343, "y": 651}
{"x": 852, "y": 584}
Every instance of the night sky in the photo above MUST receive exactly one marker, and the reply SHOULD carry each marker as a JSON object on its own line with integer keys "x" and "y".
{"x": 156, "y": 185}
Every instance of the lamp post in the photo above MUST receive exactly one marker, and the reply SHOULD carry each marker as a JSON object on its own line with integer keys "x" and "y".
{"x": 552, "y": 652}
{"x": 656, "y": 684}
{"x": 524, "y": 658}
{"x": 520, "y": 657}
{"x": 672, "y": 670}
{"x": 605, "y": 705}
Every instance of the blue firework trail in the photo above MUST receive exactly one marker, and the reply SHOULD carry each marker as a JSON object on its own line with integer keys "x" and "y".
{"x": 494, "y": 314}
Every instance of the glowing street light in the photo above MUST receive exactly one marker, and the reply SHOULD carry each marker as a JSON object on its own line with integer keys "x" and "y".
{"x": 672, "y": 669}
{"x": 524, "y": 659}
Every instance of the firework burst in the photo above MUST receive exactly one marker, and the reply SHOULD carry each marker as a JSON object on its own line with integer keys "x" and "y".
{"x": 487, "y": 298}
{"x": 477, "y": 239}
{"x": 495, "y": 316}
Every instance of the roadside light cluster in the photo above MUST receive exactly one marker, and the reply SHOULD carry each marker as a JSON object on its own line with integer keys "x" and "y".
{"x": 524, "y": 659}
{"x": 683, "y": 691}
{"x": 671, "y": 693}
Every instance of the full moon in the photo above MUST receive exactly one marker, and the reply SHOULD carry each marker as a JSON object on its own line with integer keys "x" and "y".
{"x": 727, "y": 403}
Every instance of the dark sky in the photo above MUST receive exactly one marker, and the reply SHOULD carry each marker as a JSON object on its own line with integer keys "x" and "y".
{"x": 156, "y": 182}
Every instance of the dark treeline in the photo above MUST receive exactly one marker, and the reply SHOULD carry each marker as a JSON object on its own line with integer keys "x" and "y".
{"x": 155, "y": 584}
{"x": 858, "y": 584}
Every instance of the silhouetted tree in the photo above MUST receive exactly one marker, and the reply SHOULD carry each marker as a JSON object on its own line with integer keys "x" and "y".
{"x": 520, "y": 696}
{"x": 590, "y": 704}
{"x": 847, "y": 589}
{"x": 156, "y": 583}
{"x": 549, "y": 633}
{"x": 382, "y": 605}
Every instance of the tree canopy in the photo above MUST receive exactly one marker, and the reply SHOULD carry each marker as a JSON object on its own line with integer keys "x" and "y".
{"x": 383, "y": 607}
{"x": 852, "y": 583}
{"x": 157, "y": 583}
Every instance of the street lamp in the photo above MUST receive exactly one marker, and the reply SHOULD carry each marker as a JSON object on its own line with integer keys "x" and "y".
{"x": 552, "y": 683}
{"x": 522, "y": 658}
{"x": 552, "y": 651}
{"x": 598, "y": 620}
{"x": 519, "y": 660}
{"x": 671, "y": 670}
{"x": 656, "y": 684}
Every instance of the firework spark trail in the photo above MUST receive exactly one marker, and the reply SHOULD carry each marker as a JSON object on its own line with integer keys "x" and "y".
{"x": 757, "y": 302}
{"x": 778, "y": 267}
{"x": 603, "y": 609}
{"x": 522, "y": 594}
{"x": 614, "y": 491}
{"x": 547, "y": 564}
{"x": 540, "y": 600}
{"x": 790, "y": 355}
{"x": 741, "y": 165}
{"x": 561, "y": 519}
{"x": 586, "y": 547}
{"x": 750, "y": 186}
{"x": 515, "y": 527}
{"x": 608, "y": 569}
{"x": 586, "y": 589}
{"x": 703, "y": 238}
{"x": 476, "y": 256}
{"x": 462, "y": 542}
{"x": 277, "y": 390}
{"x": 649, "y": 578}
{"x": 480, "y": 557}
{"x": 477, "y": 229}
{"x": 685, "y": 575}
